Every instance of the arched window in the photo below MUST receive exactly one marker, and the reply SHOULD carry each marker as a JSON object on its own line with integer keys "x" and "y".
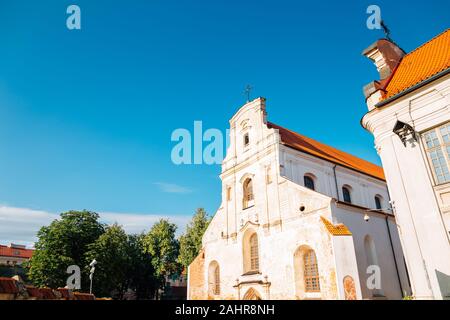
{"x": 217, "y": 280}
{"x": 311, "y": 271}
{"x": 254, "y": 253}
{"x": 248, "y": 193}
{"x": 346, "y": 193}
{"x": 309, "y": 182}
{"x": 246, "y": 140}
{"x": 214, "y": 278}
{"x": 378, "y": 202}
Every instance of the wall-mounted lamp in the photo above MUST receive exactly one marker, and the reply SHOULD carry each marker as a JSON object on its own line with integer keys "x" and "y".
{"x": 404, "y": 131}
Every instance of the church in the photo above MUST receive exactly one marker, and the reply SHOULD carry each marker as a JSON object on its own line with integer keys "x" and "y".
{"x": 298, "y": 220}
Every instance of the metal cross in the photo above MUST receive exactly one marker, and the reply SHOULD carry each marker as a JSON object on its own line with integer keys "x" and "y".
{"x": 247, "y": 92}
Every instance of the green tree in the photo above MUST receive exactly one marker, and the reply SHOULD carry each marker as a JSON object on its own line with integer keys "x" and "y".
{"x": 191, "y": 240}
{"x": 61, "y": 244}
{"x": 111, "y": 251}
{"x": 161, "y": 244}
{"x": 140, "y": 272}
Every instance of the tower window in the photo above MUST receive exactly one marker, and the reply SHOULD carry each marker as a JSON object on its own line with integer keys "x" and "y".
{"x": 248, "y": 193}
{"x": 246, "y": 140}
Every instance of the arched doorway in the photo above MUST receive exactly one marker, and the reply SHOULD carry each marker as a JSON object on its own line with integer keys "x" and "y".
{"x": 252, "y": 294}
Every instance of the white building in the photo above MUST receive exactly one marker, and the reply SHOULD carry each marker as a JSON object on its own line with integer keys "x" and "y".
{"x": 291, "y": 223}
{"x": 409, "y": 117}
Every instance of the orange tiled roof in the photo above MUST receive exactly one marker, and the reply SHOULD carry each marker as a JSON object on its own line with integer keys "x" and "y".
{"x": 336, "y": 230}
{"x": 420, "y": 64}
{"x": 6, "y": 251}
{"x": 315, "y": 148}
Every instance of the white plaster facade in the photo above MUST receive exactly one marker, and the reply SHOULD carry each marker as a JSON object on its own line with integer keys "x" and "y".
{"x": 422, "y": 203}
{"x": 287, "y": 219}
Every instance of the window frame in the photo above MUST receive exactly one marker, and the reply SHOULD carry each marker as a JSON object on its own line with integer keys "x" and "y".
{"x": 246, "y": 140}
{"x": 254, "y": 253}
{"x": 441, "y": 147}
{"x": 216, "y": 287}
{"x": 248, "y": 196}
{"x": 349, "y": 193}
{"x": 311, "y": 274}
{"x": 311, "y": 179}
{"x": 378, "y": 202}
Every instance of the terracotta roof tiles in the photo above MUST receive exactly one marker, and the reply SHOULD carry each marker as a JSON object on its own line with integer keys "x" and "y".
{"x": 6, "y": 251}
{"x": 336, "y": 230}
{"x": 318, "y": 149}
{"x": 420, "y": 64}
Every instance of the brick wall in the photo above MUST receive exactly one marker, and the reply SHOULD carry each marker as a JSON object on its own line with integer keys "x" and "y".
{"x": 196, "y": 278}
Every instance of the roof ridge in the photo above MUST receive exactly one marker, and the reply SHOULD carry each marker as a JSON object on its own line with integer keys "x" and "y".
{"x": 416, "y": 66}
{"x": 425, "y": 43}
{"x": 329, "y": 146}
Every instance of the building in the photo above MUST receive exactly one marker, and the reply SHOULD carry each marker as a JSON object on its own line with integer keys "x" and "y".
{"x": 176, "y": 287}
{"x": 298, "y": 220}
{"x": 14, "y": 254}
{"x": 409, "y": 117}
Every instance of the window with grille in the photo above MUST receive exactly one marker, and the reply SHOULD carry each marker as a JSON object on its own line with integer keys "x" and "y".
{"x": 346, "y": 194}
{"x": 309, "y": 182}
{"x": 437, "y": 145}
{"x": 248, "y": 192}
{"x": 217, "y": 280}
{"x": 311, "y": 272}
{"x": 254, "y": 253}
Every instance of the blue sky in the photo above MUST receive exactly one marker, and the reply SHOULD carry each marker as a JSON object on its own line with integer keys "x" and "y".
{"x": 86, "y": 116}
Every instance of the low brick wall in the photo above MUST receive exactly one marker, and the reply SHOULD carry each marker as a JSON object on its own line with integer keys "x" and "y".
{"x": 196, "y": 278}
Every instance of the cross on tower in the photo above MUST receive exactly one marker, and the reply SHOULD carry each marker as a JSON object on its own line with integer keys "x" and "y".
{"x": 247, "y": 92}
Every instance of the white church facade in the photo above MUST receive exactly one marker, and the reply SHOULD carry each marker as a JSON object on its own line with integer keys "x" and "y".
{"x": 409, "y": 116}
{"x": 298, "y": 220}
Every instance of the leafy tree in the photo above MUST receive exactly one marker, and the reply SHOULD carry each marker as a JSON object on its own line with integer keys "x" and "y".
{"x": 111, "y": 251}
{"x": 141, "y": 272}
{"x": 191, "y": 240}
{"x": 161, "y": 244}
{"x": 63, "y": 243}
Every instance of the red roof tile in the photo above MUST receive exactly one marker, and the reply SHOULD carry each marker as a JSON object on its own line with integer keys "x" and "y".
{"x": 6, "y": 251}
{"x": 420, "y": 64}
{"x": 318, "y": 149}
